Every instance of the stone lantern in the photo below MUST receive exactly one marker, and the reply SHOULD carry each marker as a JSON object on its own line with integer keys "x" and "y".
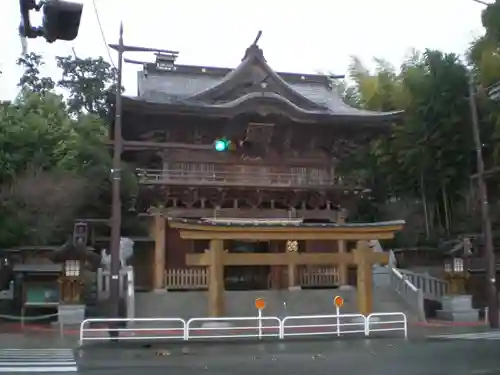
{"x": 457, "y": 304}
{"x": 455, "y": 268}
{"x": 75, "y": 258}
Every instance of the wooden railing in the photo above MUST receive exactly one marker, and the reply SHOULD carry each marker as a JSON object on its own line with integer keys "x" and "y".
{"x": 318, "y": 276}
{"x": 186, "y": 278}
{"x": 197, "y": 278}
{"x": 250, "y": 178}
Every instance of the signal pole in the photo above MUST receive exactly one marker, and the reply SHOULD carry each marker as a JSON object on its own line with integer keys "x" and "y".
{"x": 489, "y": 253}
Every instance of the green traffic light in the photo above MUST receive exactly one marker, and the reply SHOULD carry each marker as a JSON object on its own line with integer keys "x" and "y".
{"x": 221, "y": 145}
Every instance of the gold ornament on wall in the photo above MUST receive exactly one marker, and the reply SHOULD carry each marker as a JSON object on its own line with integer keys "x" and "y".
{"x": 292, "y": 246}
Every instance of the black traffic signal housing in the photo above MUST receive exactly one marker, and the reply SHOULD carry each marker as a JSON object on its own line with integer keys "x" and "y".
{"x": 61, "y": 19}
{"x": 80, "y": 234}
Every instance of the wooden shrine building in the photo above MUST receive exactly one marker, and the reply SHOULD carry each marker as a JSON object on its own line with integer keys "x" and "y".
{"x": 287, "y": 133}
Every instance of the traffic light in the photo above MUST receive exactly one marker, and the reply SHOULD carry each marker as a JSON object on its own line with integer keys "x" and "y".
{"x": 222, "y": 144}
{"x": 80, "y": 234}
{"x": 61, "y": 19}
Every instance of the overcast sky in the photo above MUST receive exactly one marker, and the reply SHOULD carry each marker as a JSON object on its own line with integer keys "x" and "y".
{"x": 298, "y": 36}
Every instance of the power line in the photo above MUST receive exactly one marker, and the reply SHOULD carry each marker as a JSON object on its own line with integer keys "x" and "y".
{"x": 96, "y": 11}
{"x": 482, "y": 2}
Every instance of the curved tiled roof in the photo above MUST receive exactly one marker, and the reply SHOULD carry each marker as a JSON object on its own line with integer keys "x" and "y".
{"x": 220, "y": 88}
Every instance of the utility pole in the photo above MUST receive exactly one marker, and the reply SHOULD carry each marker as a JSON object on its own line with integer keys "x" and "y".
{"x": 116, "y": 171}
{"x": 116, "y": 205}
{"x": 489, "y": 254}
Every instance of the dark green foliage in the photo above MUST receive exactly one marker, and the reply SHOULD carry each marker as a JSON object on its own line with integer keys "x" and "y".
{"x": 54, "y": 162}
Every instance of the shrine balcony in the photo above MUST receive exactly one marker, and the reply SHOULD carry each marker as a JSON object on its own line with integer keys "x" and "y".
{"x": 244, "y": 179}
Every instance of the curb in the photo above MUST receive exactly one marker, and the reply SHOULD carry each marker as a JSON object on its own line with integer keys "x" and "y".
{"x": 34, "y": 328}
{"x": 438, "y": 324}
{"x": 179, "y": 331}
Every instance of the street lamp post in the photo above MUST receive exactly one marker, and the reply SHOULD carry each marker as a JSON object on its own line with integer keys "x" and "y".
{"x": 489, "y": 254}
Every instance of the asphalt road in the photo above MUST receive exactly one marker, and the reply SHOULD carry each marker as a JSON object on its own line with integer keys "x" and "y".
{"x": 355, "y": 356}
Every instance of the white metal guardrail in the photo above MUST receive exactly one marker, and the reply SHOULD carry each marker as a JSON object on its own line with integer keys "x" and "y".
{"x": 225, "y": 330}
{"x": 376, "y": 320}
{"x": 322, "y": 325}
{"x": 112, "y": 325}
{"x": 243, "y": 327}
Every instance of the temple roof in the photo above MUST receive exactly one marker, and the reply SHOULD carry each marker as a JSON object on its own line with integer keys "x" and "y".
{"x": 252, "y": 85}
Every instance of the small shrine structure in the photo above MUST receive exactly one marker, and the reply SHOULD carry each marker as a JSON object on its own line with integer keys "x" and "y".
{"x": 74, "y": 258}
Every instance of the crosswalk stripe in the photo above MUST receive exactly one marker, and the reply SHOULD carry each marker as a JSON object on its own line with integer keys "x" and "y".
{"x": 37, "y": 360}
{"x": 39, "y": 369}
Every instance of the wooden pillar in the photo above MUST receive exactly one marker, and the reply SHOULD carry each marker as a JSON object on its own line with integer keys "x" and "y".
{"x": 159, "y": 256}
{"x": 364, "y": 289}
{"x": 292, "y": 265}
{"x": 216, "y": 279}
{"x": 343, "y": 267}
{"x": 276, "y": 273}
{"x": 292, "y": 276}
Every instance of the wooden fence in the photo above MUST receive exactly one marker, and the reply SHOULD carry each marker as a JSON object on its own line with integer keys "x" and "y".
{"x": 197, "y": 278}
{"x": 318, "y": 277}
{"x": 186, "y": 278}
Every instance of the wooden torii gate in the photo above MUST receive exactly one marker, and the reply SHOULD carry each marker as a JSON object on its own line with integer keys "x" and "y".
{"x": 216, "y": 257}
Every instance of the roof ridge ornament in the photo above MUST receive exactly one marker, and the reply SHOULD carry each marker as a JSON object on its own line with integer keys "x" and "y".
{"x": 253, "y": 49}
{"x": 256, "y": 41}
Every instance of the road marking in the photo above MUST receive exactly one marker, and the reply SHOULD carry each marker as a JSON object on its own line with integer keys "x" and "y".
{"x": 37, "y": 360}
{"x": 494, "y": 335}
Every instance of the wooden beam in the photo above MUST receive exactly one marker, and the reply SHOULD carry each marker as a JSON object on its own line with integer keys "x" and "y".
{"x": 271, "y": 259}
{"x": 260, "y": 229}
{"x": 148, "y": 145}
{"x": 243, "y": 234}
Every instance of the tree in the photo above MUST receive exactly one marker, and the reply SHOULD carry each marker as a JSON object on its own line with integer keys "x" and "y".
{"x": 55, "y": 144}
{"x": 491, "y": 21}
{"x": 31, "y": 80}
{"x": 427, "y": 158}
{"x": 38, "y": 206}
{"x": 88, "y": 82}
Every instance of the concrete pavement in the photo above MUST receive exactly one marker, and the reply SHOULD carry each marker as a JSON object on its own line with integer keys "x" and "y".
{"x": 321, "y": 357}
{"x": 459, "y": 351}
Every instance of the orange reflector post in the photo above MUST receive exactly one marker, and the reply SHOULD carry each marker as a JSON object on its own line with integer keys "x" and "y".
{"x": 338, "y": 301}
{"x": 260, "y": 304}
